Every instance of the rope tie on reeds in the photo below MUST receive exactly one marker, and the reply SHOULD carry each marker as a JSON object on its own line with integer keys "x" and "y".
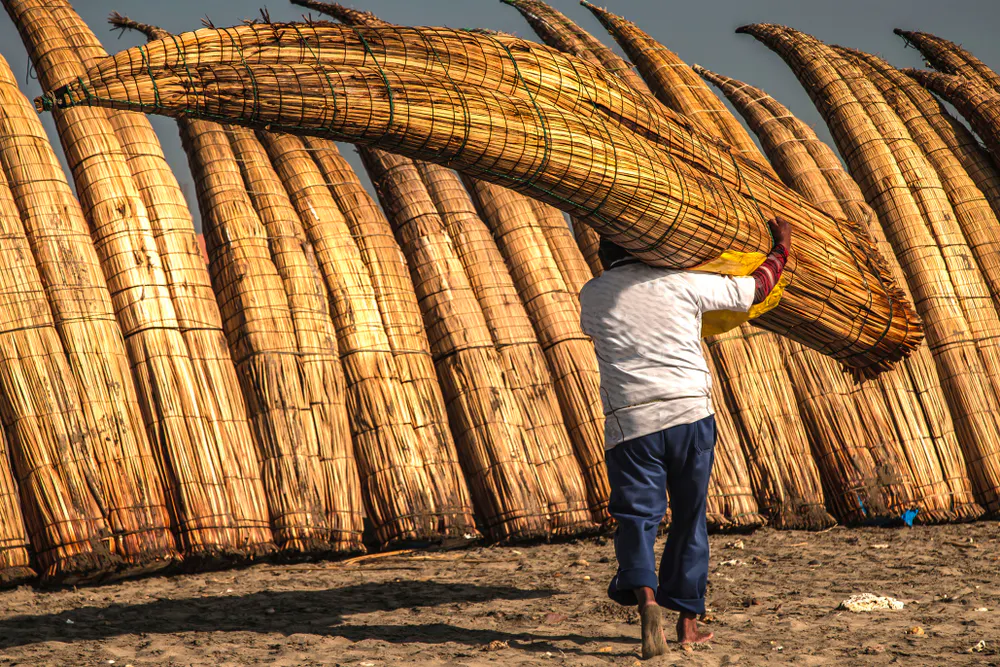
{"x": 316, "y": 55}
{"x": 253, "y": 80}
{"x": 547, "y": 146}
{"x": 385, "y": 78}
{"x": 466, "y": 113}
{"x": 149, "y": 70}
{"x": 184, "y": 60}
{"x": 614, "y": 179}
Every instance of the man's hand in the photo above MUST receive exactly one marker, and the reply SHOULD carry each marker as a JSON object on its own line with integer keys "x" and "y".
{"x": 781, "y": 232}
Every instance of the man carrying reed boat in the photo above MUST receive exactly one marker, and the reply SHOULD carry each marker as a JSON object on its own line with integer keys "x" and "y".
{"x": 659, "y": 422}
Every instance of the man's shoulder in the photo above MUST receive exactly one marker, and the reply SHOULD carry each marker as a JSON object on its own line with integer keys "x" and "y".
{"x": 635, "y": 284}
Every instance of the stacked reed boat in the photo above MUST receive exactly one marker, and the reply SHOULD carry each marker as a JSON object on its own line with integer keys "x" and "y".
{"x": 420, "y": 365}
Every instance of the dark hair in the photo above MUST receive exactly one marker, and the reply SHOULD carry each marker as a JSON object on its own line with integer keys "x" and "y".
{"x": 610, "y": 252}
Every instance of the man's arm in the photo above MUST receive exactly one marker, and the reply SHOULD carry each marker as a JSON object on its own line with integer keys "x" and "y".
{"x": 717, "y": 292}
{"x": 767, "y": 274}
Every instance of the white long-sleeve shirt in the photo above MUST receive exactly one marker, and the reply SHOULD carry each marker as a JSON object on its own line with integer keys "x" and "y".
{"x": 646, "y": 326}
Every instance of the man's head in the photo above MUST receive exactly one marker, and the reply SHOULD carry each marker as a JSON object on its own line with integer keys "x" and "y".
{"x": 609, "y": 253}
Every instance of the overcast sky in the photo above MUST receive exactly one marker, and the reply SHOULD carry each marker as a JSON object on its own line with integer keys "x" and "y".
{"x": 700, "y": 31}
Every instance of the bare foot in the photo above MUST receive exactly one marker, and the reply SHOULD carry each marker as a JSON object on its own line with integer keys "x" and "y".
{"x": 688, "y": 632}
{"x": 654, "y": 641}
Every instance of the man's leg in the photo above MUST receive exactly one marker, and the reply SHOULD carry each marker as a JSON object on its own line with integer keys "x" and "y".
{"x": 638, "y": 502}
{"x": 690, "y": 452}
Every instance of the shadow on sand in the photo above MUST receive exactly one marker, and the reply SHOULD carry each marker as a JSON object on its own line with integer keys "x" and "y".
{"x": 319, "y": 612}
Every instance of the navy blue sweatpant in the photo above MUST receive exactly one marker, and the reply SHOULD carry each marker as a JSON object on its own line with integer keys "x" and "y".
{"x": 677, "y": 460}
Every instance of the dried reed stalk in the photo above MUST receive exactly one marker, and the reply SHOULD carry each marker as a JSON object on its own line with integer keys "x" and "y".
{"x": 282, "y": 338}
{"x": 976, "y": 102}
{"x": 912, "y": 391}
{"x": 731, "y": 504}
{"x": 316, "y": 354}
{"x": 190, "y": 289}
{"x": 485, "y": 417}
{"x": 677, "y": 86}
{"x": 899, "y": 184}
{"x": 750, "y": 384}
{"x": 785, "y": 479}
{"x": 411, "y": 481}
{"x": 15, "y": 555}
{"x": 571, "y": 269}
{"x": 589, "y": 242}
{"x": 212, "y": 515}
{"x": 264, "y": 313}
{"x": 950, "y": 58}
{"x": 132, "y": 494}
{"x": 525, "y": 367}
{"x": 404, "y": 324}
{"x": 522, "y": 372}
{"x": 559, "y": 32}
{"x": 957, "y": 136}
{"x": 396, "y": 299}
{"x": 555, "y": 313}
{"x": 301, "y": 112}
{"x": 51, "y": 446}
{"x": 397, "y": 302}
{"x": 562, "y": 245}
{"x": 973, "y": 213}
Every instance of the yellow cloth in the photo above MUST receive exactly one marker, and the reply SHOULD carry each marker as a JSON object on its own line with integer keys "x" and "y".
{"x": 738, "y": 264}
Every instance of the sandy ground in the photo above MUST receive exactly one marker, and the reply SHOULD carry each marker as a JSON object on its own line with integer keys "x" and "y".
{"x": 772, "y": 602}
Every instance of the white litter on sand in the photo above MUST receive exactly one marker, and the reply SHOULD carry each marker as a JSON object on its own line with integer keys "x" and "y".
{"x": 870, "y": 602}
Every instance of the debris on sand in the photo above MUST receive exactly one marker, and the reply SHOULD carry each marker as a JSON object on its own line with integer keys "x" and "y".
{"x": 869, "y": 602}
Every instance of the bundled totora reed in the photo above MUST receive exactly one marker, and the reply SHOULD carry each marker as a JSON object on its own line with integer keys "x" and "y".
{"x": 979, "y": 104}
{"x": 411, "y": 480}
{"x": 15, "y": 558}
{"x": 950, "y": 58}
{"x": 259, "y": 321}
{"x": 392, "y": 91}
{"x": 410, "y": 203}
{"x": 525, "y": 367}
{"x": 572, "y": 371}
{"x": 961, "y": 321}
{"x": 912, "y": 391}
{"x": 276, "y": 317}
{"x": 315, "y": 360}
{"x": 973, "y": 213}
{"x": 559, "y": 32}
{"x": 562, "y": 245}
{"x": 51, "y": 446}
{"x": 731, "y": 504}
{"x": 589, "y": 243}
{"x": 555, "y": 313}
{"x": 485, "y": 418}
{"x": 194, "y": 411}
{"x": 677, "y": 86}
{"x": 129, "y": 486}
{"x": 196, "y": 311}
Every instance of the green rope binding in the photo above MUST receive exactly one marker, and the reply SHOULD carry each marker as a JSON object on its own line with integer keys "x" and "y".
{"x": 385, "y": 78}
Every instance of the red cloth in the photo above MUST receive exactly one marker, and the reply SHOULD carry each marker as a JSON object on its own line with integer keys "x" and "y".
{"x": 767, "y": 274}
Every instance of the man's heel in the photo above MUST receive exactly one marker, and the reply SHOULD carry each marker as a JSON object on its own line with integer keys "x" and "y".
{"x": 653, "y": 641}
